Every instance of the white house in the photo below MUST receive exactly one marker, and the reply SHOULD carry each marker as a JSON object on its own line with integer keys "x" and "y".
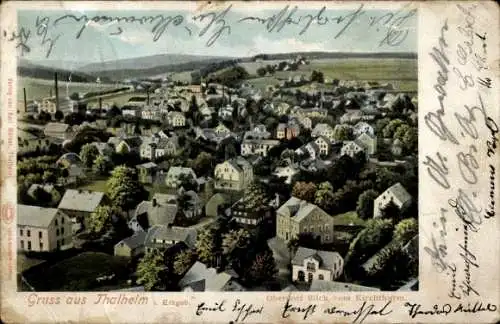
{"x": 257, "y": 147}
{"x": 323, "y": 144}
{"x": 309, "y": 265}
{"x": 363, "y": 128}
{"x": 351, "y": 148}
{"x": 397, "y": 194}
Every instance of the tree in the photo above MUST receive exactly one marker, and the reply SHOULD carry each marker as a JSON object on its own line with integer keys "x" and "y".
{"x": 88, "y": 154}
{"x": 234, "y": 247}
{"x": 324, "y": 195}
{"x": 410, "y": 140}
{"x": 305, "y": 239}
{"x": 391, "y": 211}
{"x": 124, "y": 188}
{"x": 343, "y": 133}
{"x": 151, "y": 270}
{"x": 405, "y": 230}
{"x": 304, "y": 190}
{"x": 42, "y": 197}
{"x": 263, "y": 267}
{"x": 317, "y": 76}
{"x": 101, "y": 165}
{"x": 58, "y": 115}
{"x": 206, "y": 245}
{"x": 376, "y": 234}
{"x": 183, "y": 261}
{"x": 203, "y": 164}
{"x": 391, "y": 128}
{"x": 49, "y": 176}
{"x": 261, "y": 71}
{"x": 74, "y": 96}
{"x": 100, "y": 220}
{"x": 365, "y": 204}
{"x": 401, "y": 131}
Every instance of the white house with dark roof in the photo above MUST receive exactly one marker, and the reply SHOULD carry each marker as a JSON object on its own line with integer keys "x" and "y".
{"x": 42, "y": 229}
{"x": 397, "y": 194}
{"x": 351, "y": 148}
{"x": 299, "y": 216}
{"x": 257, "y": 146}
{"x": 309, "y": 265}
{"x": 310, "y": 149}
{"x": 234, "y": 174}
{"x": 324, "y": 145}
{"x": 323, "y": 129}
{"x": 363, "y": 128}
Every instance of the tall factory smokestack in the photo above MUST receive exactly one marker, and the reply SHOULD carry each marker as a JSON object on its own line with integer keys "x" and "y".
{"x": 25, "y": 101}
{"x": 57, "y": 91}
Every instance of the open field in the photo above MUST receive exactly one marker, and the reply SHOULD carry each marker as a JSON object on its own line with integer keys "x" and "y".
{"x": 402, "y": 73}
{"x": 39, "y": 88}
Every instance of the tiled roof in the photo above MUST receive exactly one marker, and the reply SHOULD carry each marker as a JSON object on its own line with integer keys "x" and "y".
{"x": 81, "y": 200}
{"x": 35, "y": 216}
{"x": 135, "y": 240}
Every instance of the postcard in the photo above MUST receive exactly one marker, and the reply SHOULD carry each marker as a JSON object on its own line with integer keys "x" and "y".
{"x": 249, "y": 162}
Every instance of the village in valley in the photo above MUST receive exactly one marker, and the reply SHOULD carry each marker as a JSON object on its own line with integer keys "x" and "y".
{"x": 272, "y": 174}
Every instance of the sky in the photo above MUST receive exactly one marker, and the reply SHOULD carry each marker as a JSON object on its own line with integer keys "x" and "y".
{"x": 106, "y": 41}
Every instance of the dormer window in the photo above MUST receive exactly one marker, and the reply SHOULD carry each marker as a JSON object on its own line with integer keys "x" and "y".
{"x": 311, "y": 266}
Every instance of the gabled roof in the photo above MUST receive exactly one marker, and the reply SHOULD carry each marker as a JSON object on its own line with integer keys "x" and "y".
{"x": 35, "y": 216}
{"x": 161, "y": 214}
{"x": 326, "y": 259}
{"x": 213, "y": 281}
{"x": 297, "y": 209}
{"x": 81, "y": 200}
{"x": 147, "y": 165}
{"x": 399, "y": 192}
{"x": 135, "y": 240}
{"x": 171, "y": 233}
{"x": 57, "y": 127}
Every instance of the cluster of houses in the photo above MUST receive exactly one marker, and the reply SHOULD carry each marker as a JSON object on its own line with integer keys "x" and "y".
{"x": 155, "y": 222}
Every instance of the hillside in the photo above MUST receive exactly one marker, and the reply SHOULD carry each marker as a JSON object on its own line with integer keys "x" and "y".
{"x": 28, "y": 69}
{"x": 146, "y": 62}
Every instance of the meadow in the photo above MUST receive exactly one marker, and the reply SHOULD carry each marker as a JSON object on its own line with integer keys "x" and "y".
{"x": 402, "y": 73}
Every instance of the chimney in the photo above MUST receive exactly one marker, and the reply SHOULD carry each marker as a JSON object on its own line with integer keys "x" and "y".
{"x": 57, "y": 91}
{"x": 25, "y": 101}
{"x": 147, "y": 94}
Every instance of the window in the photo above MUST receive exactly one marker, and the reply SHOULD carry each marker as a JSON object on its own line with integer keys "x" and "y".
{"x": 22, "y": 244}
{"x": 21, "y": 232}
{"x": 321, "y": 277}
{"x": 41, "y": 246}
{"x": 56, "y": 222}
{"x": 62, "y": 231}
{"x": 62, "y": 242}
{"x": 57, "y": 232}
{"x": 28, "y": 233}
{"x": 29, "y": 245}
{"x": 309, "y": 277}
{"x": 39, "y": 234}
{"x": 62, "y": 220}
{"x": 311, "y": 266}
